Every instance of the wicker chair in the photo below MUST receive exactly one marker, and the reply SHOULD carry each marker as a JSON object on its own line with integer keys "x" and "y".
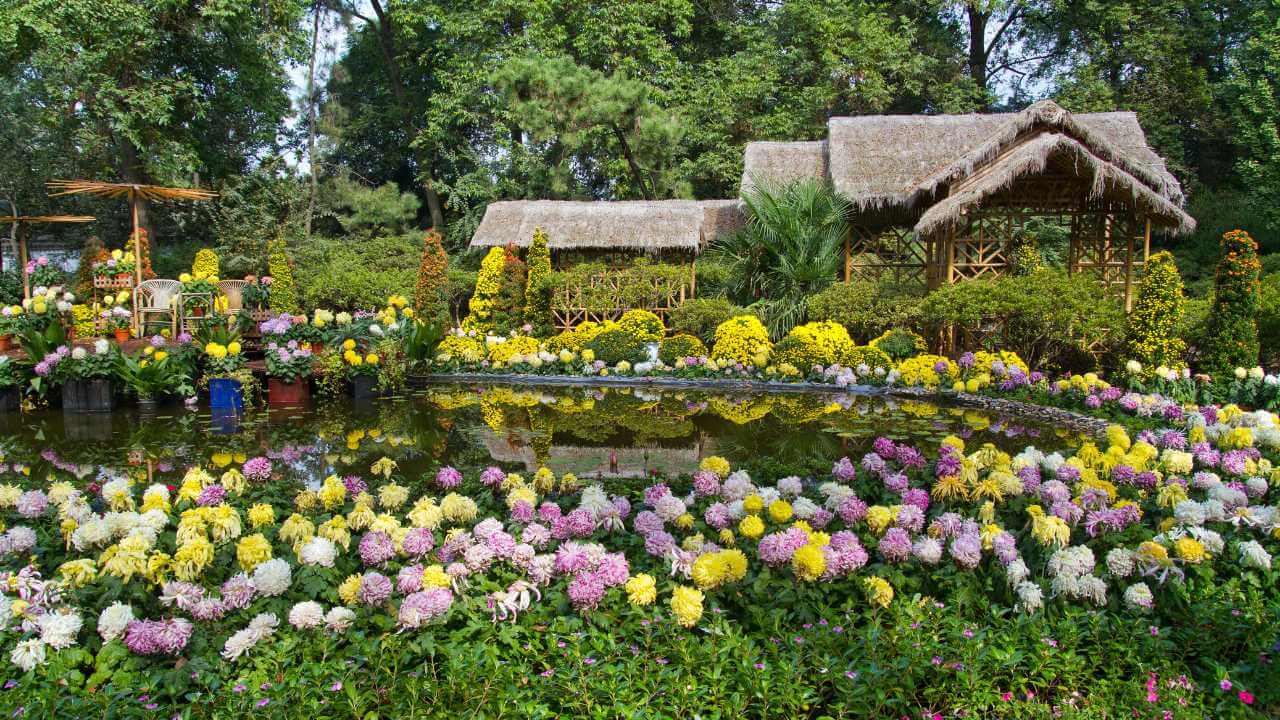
{"x": 155, "y": 299}
{"x": 233, "y": 290}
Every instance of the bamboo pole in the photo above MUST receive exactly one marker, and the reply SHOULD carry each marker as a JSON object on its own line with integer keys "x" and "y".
{"x": 23, "y": 255}
{"x": 137, "y": 239}
{"x": 848, "y": 256}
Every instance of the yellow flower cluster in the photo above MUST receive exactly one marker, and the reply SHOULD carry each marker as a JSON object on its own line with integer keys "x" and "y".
{"x": 923, "y": 370}
{"x": 504, "y": 353}
{"x": 879, "y": 591}
{"x": 577, "y": 338}
{"x": 742, "y": 339}
{"x": 219, "y": 351}
{"x": 816, "y": 343}
{"x": 641, "y": 589}
{"x": 488, "y": 284}
{"x": 715, "y": 464}
{"x": 460, "y": 347}
{"x": 686, "y": 605}
{"x": 714, "y": 569}
{"x": 643, "y": 324}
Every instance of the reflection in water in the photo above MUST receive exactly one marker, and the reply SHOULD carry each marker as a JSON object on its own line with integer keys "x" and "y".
{"x": 597, "y": 432}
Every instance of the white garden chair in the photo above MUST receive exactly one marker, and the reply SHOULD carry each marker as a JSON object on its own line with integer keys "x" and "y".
{"x": 233, "y": 290}
{"x": 153, "y": 304}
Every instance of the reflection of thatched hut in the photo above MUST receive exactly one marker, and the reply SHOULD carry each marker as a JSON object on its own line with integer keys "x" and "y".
{"x": 944, "y": 198}
{"x": 597, "y": 462}
{"x": 674, "y": 231}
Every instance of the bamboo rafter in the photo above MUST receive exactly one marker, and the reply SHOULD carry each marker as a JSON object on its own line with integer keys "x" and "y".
{"x": 98, "y": 188}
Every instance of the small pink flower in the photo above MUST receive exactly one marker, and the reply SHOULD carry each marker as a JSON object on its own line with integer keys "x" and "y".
{"x": 1246, "y": 697}
{"x": 1007, "y": 697}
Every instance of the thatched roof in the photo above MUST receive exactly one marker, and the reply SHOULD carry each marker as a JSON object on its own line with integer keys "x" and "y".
{"x": 1032, "y": 157}
{"x": 903, "y": 161}
{"x": 621, "y": 225}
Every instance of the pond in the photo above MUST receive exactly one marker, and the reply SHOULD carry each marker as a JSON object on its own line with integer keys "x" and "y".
{"x": 592, "y": 432}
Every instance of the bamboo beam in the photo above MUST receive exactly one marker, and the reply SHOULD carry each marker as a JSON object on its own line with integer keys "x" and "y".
{"x": 848, "y": 255}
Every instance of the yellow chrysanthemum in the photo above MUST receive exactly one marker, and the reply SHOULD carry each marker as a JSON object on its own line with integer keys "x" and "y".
{"x": 641, "y": 589}
{"x": 879, "y": 591}
{"x": 751, "y": 527}
{"x": 686, "y": 605}
{"x": 809, "y": 563}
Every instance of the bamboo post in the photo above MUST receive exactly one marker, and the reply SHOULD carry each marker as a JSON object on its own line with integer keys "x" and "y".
{"x": 137, "y": 239}
{"x": 848, "y": 256}
{"x": 1146, "y": 240}
{"x": 693, "y": 277}
{"x": 23, "y": 256}
{"x": 1128, "y": 270}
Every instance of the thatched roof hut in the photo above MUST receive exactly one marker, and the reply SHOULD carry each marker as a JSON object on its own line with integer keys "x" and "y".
{"x": 911, "y": 162}
{"x": 642, "y": 226}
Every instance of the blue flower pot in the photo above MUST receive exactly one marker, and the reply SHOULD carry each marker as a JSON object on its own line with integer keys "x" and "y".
{"x": 226, "y": 394}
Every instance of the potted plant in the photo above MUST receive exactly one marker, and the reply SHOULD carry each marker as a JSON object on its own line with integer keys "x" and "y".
{"x": 288, "y": 367}
{"x": 203, "y": 287}
{"x": 10, "y": 385}
{"x": 86, "y": 377}
{"x": 226, "y": 374}
{"x": 362, "y": 370}
{"x": 119, "y": 266}
{"x": 257, "y": 294}
{"x": 43, "y": 273}
{"x": 10, "y": 325}
{"x": 154, "y": 373}
{"x": 118, "y": 321}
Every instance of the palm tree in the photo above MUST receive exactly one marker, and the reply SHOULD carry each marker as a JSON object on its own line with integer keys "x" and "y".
{"x": 788, "y": 250}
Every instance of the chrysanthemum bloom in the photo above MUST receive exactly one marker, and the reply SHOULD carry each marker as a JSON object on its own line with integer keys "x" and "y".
{"x": 421, "y": 607}
{"x": 895, "y": 545}
{"x": 536, "y": 535}
{"x": 751, "y": 527}
{"x": 492, "y": 477}
{"x": 659, "y": 543}
{"x": 715, "y": 464}
{"x": 58, "y": 630}
{"x": 252, "y": 550}
{"x": 257, "y": 469}
{"x": 113, "y": 620}
{"x": 686, "y": 605}
{"x": 1030, "y": 596}
{"x": 374, "y": 589}
{"x": 339, "y": 618}
{"x": 1138, "y": 597}
{"x": 32, "y": 504}
{"x": 318, "y": 551}
{"x": 306, "y": 615}
{"x": 272, "y": 577}
{"x": 376, "y": 548}
{"x": 586, "y": 590}
{"x": 641, "y": 589}
{"x": 238, "y": 591}
{"x": 809, "y": 563}
{"x": 28, "y": 654}
{"x": 418, "y": 542}
{"x": 879, "y": 591}
{"x": 967, "y": 551}
{"x": 448, "y": 478}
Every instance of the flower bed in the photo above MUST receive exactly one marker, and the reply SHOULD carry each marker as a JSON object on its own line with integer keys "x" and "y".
{"x": 993, "y": 583}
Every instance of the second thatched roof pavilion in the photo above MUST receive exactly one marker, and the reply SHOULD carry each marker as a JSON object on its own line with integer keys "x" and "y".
{"x": 943, "y": 198}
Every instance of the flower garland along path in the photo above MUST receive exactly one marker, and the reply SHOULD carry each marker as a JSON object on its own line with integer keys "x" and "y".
{"x": 186, "y": 588}
{"x": 1067, "y": 419}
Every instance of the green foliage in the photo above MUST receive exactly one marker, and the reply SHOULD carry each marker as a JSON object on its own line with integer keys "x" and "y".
{"x": 366, "y": 211}
{"x": 871, "y": 357}
{"x": 92, "y": 251}
{"x": 205, "y": 264}
{"x": 508, "y": 313}
{"x": 361, "y": 275}
{"x": 601, "y": 288}
{"x": 10, "y": 287}
{"x": 680, "y": 346}
{"x": 789, "y": 250}
{"x": 1049, "y": 318}
{"x": 537, "y": 294}
{"x": 700, "y": 317}
{"x": 1269, "y": 316}
{"x": 458, "y": 290}
{"x": 864, "y": 308}
{"x": 1151, "y": 333}
{"x": 615, "y": 344}
{"x": 1232, "y": 340}
{"x": 899, "y": 344}
{"x": 284, "y": 293}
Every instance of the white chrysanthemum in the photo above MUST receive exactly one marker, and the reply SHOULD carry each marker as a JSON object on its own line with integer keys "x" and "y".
{"x": 260, "y": 627}
{"x": 1214, "y": 510}
{"x": 1016, "y": 571}
{"x": 1093, "y": 589}
{"x": 6, "y": 610}
{"x": 1065, "y": 585}
{"x": 1138, "y": 597}
{"x": 595, "y": 501}
{"x": 58, "y": 630}
{"x": 1074, "y": 560}
{"x": 1252, "y": 554}
{"x": 272, "y": 577}
{"x": 92, "y": 534}
{"x": 264, "y": 622}
{"x": 929, "y": 551}
{"x": 1053, "y": 461}
{"x": 1120, "y": 562}
{"x": 1256, "y": 486}
{"x": 769, "y": 495}
{"x": 1188, "y": 512}
{"x": 1213, "y": 543}
{"x": 835, "y": 494}
{"x": 306, "y": 615}
{"x": 737, "y": 486}
{"x": 318, "y": 551}
{"x": 804, "y": 508}
{"x": 28, "y": 654}
{"x": 339, "y": 618}
{"x": 1030, "y": 597}
{"x": 113, "y": 620}
{"x": 790, "y": 486}
{"x": 737, "y": 510}
{"x": 1228, "y": 496}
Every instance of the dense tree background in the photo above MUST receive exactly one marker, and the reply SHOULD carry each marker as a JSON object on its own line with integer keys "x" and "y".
{"x": 460, "y": 103}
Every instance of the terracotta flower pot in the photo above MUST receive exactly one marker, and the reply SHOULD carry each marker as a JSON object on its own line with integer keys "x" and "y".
{"x": 122, "y": 334}
{"x": 6, "y": 342}
{"x": 280, "y": 392}
{"x": 122, "y": 277}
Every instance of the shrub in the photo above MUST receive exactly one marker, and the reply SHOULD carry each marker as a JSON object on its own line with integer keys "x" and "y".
{"x": 700, "y": 317}
{"x": 871, "y": 357}
{"x": 357, "y": 275}
{"x": 537, "y": 293}
{"x": 1233, "y": 337}
{"x": 11, "y": 288}
{"x": 815, "y": 343}
{"x": 206, "y": 264}
{"x": 93, "y": 251}
{"x": 284, "y": 294}
{"x": 603, "y": 288}
{"x": 576, "y": 339}
{"x": 144, "y": 245}
{"x": 1151, "y": 334}
{"x": 461, "y": 347}
{"x": 429, "y": 299}
{"x": 1269, "y": 315}
{"x": 742, "y": 339}
{"x": 458, "y": 290}
{"x": 1051, "y": 319}
{"x": 519, "y": 345}
{"x": 924, "y": 370}
{"x": 508, "y": 313}
{"x": 615, "y": 344}
{"x": 900, "y": 343}
{"x": 643, "y": 324}
{"x": 864, "y": 308}
{"x": 485, "y": 298}
{"x": 680, "y": 346}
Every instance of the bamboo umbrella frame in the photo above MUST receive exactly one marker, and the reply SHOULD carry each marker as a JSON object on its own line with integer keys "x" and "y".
{"x": 19, "y": 220}
{"x": 133, "y": 192}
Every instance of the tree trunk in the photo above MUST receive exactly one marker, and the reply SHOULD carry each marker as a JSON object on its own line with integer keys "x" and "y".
{"x": 636, "y": 172}
{"x": 132, "y": 171}
{"x": 978, "y": 54}
{"x": 311, "y": 119}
